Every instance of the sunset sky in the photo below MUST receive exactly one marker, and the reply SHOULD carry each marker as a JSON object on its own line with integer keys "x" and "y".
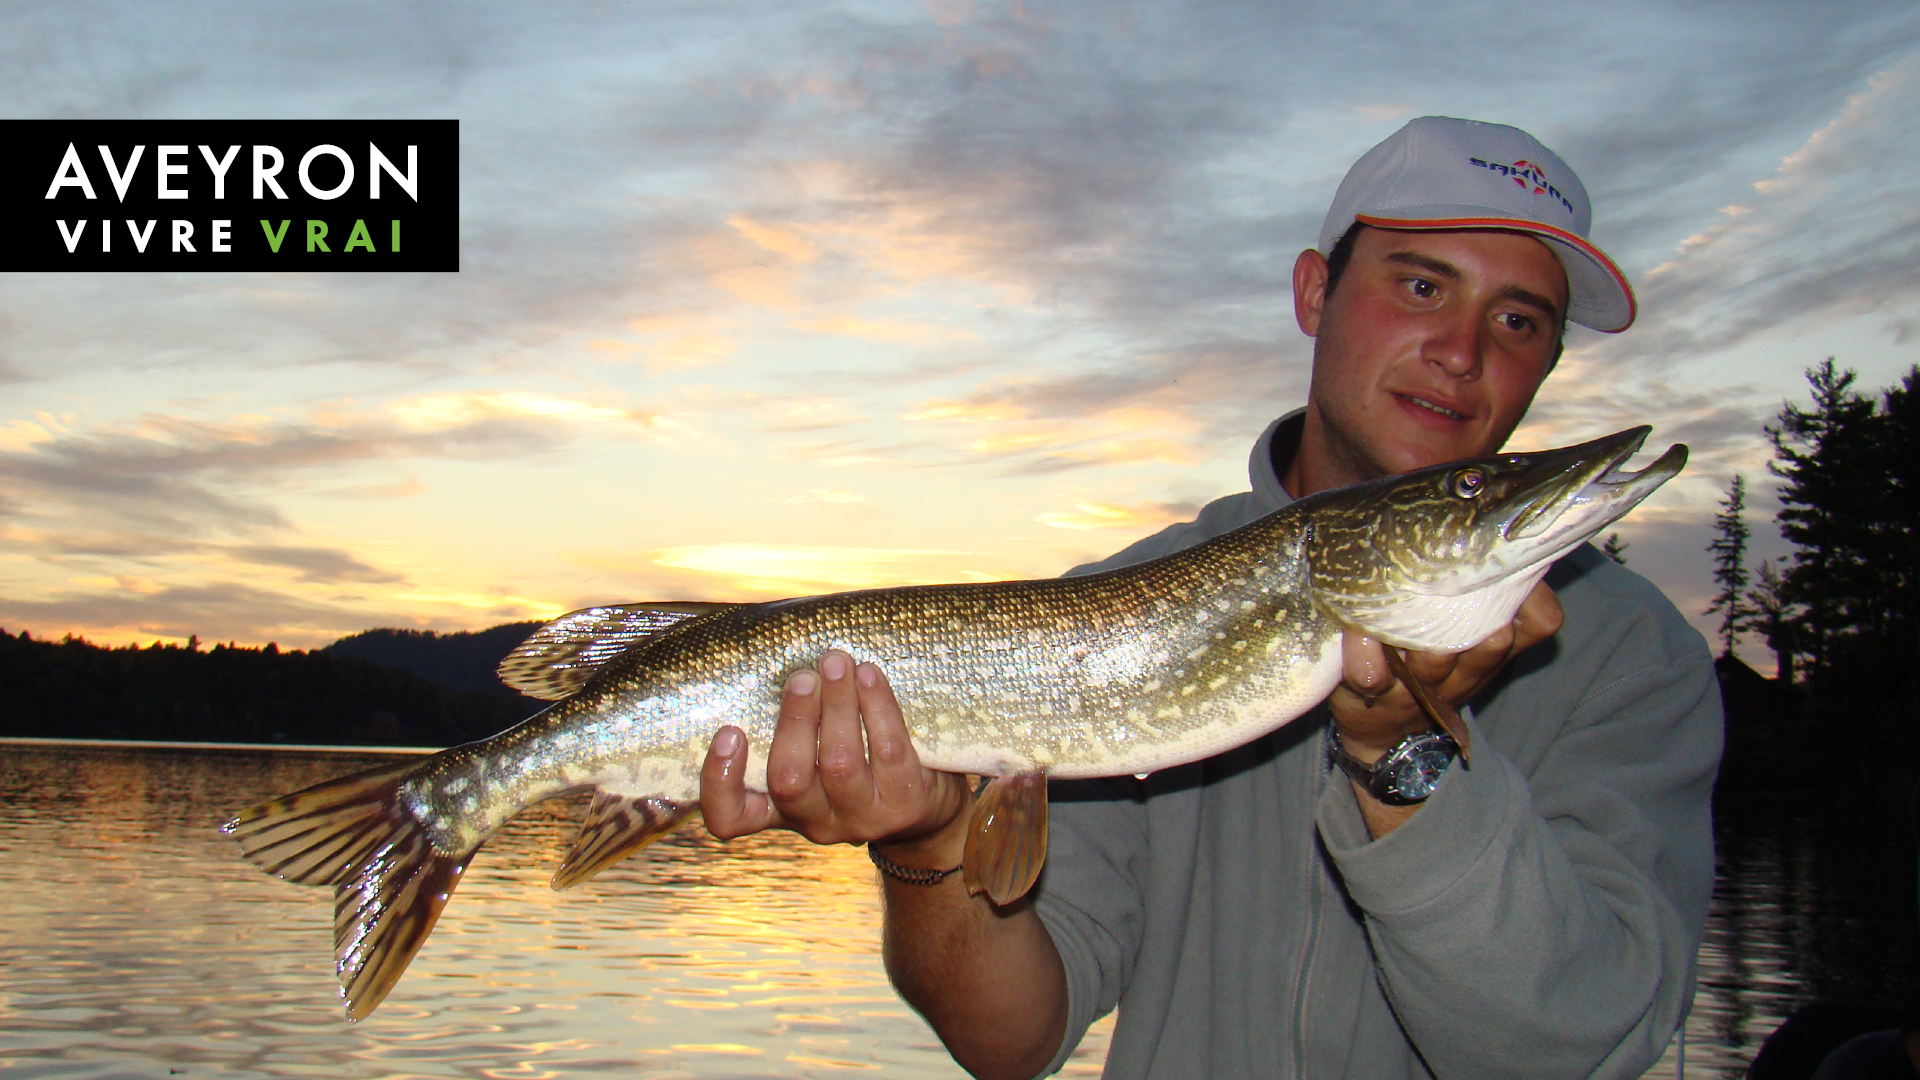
{"x": 761, "y": 300}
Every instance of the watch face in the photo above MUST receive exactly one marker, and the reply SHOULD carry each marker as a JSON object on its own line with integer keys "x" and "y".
{"x": 1418, "y": 773}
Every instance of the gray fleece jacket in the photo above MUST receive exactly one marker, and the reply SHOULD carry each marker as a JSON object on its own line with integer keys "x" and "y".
{"x": 1537, "y": 918}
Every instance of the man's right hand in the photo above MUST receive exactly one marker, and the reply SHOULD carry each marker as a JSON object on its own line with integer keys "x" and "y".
{"x": 841, "y": 770}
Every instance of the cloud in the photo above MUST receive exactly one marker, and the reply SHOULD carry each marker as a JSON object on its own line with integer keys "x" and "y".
{"x": 1108, "y": 197}
{"x": 775, "y": 238}
{"x": 809, "y": 413}
{"x": 405, "y": 488}
{"x": 445, "y": 411}
{"x": 224, "y": 610}
{"x": 1178, "y": 406}
{"x": 197, "y": 477}
{"x": 1832, "y": 231}
{"x": 774, "y": 565}
{"x": 315, "y": 565}
{"x": 1090, "y": 515}
{"x": 326, "y": 566}
{"x": 677, "y": 343}
{"x": 758, "y": 571}
{"x": 880, "y": 329}
{"x": 826, "y": 496}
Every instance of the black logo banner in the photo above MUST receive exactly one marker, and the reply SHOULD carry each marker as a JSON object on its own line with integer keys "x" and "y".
{"x": 199, "y": 195}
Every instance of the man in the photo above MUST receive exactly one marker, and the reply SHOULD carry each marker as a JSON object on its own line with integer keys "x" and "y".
{"x": 1265, "y": 912}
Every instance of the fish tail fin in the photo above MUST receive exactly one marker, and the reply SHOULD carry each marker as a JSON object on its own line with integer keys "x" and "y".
{"x": 618, "y": 826}
{"x": 390, "y": 880}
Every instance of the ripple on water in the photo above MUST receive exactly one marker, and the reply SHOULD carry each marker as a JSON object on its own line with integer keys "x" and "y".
{"x": 153, "y": 946}
{"x": 135, "y": 940}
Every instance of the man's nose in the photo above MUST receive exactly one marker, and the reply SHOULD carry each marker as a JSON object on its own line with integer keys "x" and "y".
{"x": 1455, "y": 344}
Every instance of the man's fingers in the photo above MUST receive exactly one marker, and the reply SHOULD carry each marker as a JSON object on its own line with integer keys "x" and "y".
{"x": 1433, "y": 668}
{"x": 793, "y": 781}
{"x": 890, "y": 753}
{"x": 726, "y": 805}
{"x": 843, "y": 747}
{"x": 1539, "y": 617}
{"x": 1363, "y": 665}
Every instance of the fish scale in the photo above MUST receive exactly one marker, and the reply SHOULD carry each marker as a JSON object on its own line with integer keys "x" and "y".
{"x": 1126, "y": 671}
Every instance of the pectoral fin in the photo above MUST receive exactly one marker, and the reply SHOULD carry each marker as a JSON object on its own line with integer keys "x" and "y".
{"x": 1007, "y": 837}
{"x": 1444, "y": 716}
{"x": 618, "y": 826}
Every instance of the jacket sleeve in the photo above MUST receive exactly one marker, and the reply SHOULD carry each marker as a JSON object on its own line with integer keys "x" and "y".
{"x": 1089, "y": 897}
{"x": 1540, "y": 915}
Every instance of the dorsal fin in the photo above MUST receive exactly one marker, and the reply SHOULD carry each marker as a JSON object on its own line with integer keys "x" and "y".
{"x": 557, "y": 660}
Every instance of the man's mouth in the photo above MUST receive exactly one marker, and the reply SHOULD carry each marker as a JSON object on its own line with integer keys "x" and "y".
{"x": 1441, "y": 409}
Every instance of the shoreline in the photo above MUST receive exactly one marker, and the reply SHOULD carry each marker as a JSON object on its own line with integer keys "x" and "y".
{"x": 155, "y": 744}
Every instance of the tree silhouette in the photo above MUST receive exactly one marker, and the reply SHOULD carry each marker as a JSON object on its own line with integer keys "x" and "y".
{"x": 1730, "y": 564}
{"x": 1825, "y": 456}
{"x": 1897, "y": 536}
{"x": 1616, "y": 549}
{"x": 74, "y": 689}
{"x": 1772, "y": 615}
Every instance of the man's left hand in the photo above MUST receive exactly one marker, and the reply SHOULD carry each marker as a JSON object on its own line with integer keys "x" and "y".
{"x": 1374, "y": 712}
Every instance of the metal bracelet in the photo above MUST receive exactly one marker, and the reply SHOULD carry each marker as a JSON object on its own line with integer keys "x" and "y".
{"x": 906, "y": 873}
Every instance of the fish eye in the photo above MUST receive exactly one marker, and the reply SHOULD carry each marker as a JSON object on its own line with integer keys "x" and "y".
{"x": 1467, "y": 483}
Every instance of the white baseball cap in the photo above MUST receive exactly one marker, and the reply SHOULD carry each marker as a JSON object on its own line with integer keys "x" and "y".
{"x": 1443, "y": 173}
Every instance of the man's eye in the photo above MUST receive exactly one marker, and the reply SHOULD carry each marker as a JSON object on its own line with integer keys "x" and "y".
{"x": 1423, "y": 288}
{"x": 1515, "y": 322}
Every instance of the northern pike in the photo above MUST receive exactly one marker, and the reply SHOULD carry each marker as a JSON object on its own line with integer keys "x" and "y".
{"x": 1129, "y": 670}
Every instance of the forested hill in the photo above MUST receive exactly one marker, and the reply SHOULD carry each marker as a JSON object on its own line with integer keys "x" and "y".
{"x": 75, "y": 689}
{"x": 460, "y": 661}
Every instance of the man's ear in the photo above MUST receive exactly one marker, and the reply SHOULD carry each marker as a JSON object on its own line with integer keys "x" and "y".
{"x": 1309, "y": 290}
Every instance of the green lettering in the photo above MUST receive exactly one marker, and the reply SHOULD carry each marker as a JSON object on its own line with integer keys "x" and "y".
{"x": 274, "y": 238}
{"x": 396, "y": 235}
{"x": 358, "y": 237}
{"x": 317, "y": 235}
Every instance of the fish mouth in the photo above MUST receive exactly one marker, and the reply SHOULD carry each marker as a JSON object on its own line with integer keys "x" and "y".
{"x": 1577, "y": 491}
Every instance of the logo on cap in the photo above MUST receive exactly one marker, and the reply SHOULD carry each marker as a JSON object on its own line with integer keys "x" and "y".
{"x": 1527, "y": 175}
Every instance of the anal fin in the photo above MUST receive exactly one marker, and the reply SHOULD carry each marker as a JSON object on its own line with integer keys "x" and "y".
{"x": 618, "y": 826}
{"x": 1444, "y": 716}
{"x": 1007, "y": 837}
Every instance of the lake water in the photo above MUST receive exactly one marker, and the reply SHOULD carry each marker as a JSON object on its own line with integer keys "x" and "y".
{"x": 135, "y": 943}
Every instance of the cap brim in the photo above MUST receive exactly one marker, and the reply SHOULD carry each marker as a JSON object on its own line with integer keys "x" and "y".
{"x": 1598, "y": 295}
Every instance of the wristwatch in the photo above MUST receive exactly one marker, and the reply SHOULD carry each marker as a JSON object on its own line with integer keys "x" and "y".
{"x": 1404, "y": 775}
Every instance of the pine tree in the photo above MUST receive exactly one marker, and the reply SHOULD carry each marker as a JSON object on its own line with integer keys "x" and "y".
{"x": 1730, "y": 564}
{"x": 1772, "y": 615}
{"x": 1615, "y": 549}
{"x": 1826, "y": 457}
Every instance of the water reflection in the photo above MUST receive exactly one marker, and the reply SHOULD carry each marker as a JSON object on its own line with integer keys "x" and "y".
{"x": 134, "y": 941}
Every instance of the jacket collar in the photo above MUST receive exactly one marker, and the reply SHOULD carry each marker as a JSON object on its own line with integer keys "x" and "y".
{"x": 1264, "y": 466}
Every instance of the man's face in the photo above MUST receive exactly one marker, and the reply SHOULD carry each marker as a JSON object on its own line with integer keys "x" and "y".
{"x": 1429, "y": 350}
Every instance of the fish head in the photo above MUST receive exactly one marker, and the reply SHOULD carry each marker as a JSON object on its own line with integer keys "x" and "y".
{"x": 1439, "y": 558}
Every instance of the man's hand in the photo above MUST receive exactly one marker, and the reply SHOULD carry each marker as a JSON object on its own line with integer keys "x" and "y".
{"x": 841, "y": 768}
{"x": 1373, "y": 712}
